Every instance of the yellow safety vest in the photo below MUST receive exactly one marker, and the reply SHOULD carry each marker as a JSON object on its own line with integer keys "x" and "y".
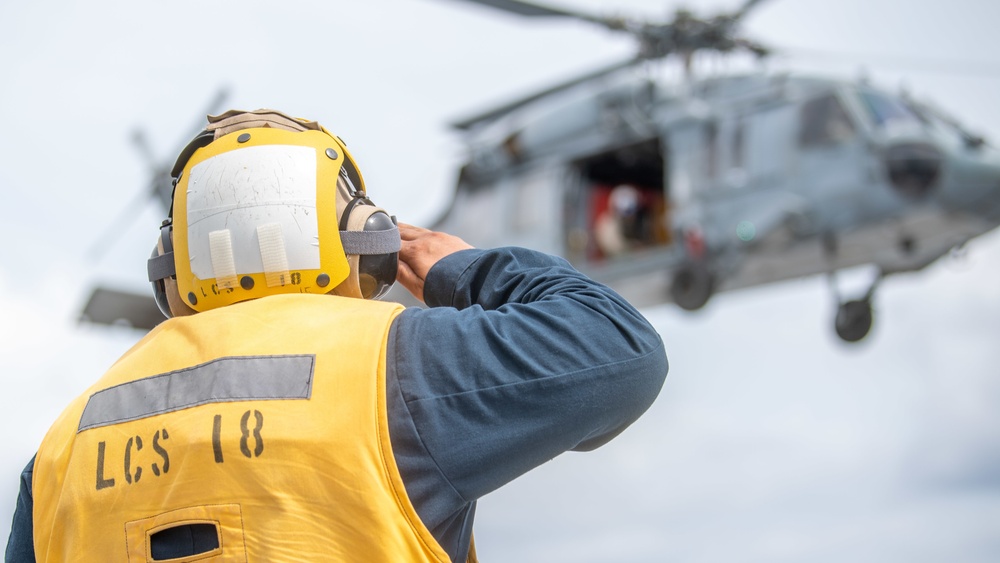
{"x": 265, "y": 420}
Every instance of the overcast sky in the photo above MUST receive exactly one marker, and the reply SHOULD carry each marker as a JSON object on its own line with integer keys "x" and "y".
{"x": 771, "y": 440}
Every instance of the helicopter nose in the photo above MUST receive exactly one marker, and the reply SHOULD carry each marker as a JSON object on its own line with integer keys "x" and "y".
{"x": 914, "y": 168}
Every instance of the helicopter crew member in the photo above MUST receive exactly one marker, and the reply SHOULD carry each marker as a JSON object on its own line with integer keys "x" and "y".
{"x": 618, "y": 228}
{"x": 283, "y": 414}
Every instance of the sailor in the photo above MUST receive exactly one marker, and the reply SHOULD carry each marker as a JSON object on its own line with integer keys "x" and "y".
{"x": 283, "y": 413}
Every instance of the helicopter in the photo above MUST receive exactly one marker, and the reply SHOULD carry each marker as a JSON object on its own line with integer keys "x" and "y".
{"x": 676, "y": 192}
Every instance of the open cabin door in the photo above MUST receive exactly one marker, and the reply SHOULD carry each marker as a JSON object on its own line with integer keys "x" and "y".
{"x": 618, "y": 204}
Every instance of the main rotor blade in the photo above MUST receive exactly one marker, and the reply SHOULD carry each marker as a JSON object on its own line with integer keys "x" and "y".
{"x": 214, "y": 107}
{"x": 896, "y": 62}
{"x": 141, "y": 143}
{"x": 537, "y": 10}
{"x": 499, "y": 112}
{"x": 113, "y": 229}
{"x": 746, "y": 7}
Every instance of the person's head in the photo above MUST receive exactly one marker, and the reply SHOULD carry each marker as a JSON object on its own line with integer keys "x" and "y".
{"x": 624, "y": 200}
{"x": 265, "y": 204}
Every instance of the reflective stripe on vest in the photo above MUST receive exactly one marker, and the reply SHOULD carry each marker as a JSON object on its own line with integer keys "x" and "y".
{"x": 263, "y": 422}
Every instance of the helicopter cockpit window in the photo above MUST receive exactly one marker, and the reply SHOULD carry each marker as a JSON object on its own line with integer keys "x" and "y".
{"x": 884, "y": 109}
{"x": 824, "y": 121}
{"x": 937, "y": 118}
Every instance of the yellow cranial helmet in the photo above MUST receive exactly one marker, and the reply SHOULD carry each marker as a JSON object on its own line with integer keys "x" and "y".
{"x": 264, "y": 204}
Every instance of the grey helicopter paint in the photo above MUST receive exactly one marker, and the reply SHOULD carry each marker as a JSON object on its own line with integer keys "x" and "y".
{"x": 737, "y": 181}
{"x": 730, "y": 182}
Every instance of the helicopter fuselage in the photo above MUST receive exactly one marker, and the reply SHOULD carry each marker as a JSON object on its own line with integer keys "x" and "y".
{"x": 732, "y": 182}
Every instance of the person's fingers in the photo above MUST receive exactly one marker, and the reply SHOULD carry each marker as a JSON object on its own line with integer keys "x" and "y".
{"x": 410, "y": 280}
{"x": 410, "y": 232}
{"x": 419, "y": 251}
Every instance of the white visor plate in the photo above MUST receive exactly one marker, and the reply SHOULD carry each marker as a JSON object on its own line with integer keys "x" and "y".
{"x": 223, "y": 195}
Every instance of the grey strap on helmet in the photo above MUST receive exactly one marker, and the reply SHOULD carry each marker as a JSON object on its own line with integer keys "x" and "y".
{"x": 371, "y": 242}
{"x": 162, "y": 267}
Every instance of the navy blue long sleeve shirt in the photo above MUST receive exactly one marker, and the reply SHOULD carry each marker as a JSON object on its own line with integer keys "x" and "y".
{"x": 517, "y": 358}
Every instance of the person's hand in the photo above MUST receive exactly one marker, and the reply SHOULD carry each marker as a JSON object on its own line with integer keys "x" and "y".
{"x": 420, "y": 250}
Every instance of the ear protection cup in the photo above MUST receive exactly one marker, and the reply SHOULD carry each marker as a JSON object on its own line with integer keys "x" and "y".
{"x": 164, "y": 248}
{"x": 161, "y": 272}
{"x": 373, "y": 270}
{"x": 372, "y": 273}
{"x": 377, "y": 272}
{"x": 159, "y": 289}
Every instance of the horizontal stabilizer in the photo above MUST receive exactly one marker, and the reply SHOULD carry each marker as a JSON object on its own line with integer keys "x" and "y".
{"x": 115, "y": 307}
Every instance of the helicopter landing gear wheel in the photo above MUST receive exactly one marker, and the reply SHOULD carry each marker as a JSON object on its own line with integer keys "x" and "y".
{"x": 854, "y": 320}
{"x": 854, "y": 317}
{"x": 692, "y": 287}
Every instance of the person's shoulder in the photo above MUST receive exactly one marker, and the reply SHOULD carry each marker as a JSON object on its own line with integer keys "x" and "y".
{"x": 297, "y": 302}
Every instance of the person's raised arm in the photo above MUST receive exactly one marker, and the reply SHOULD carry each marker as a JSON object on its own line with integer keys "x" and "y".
{"x": 519, "y": 358}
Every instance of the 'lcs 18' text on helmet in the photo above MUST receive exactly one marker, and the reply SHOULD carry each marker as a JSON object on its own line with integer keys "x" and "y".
{"x": 265, "y": 204}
